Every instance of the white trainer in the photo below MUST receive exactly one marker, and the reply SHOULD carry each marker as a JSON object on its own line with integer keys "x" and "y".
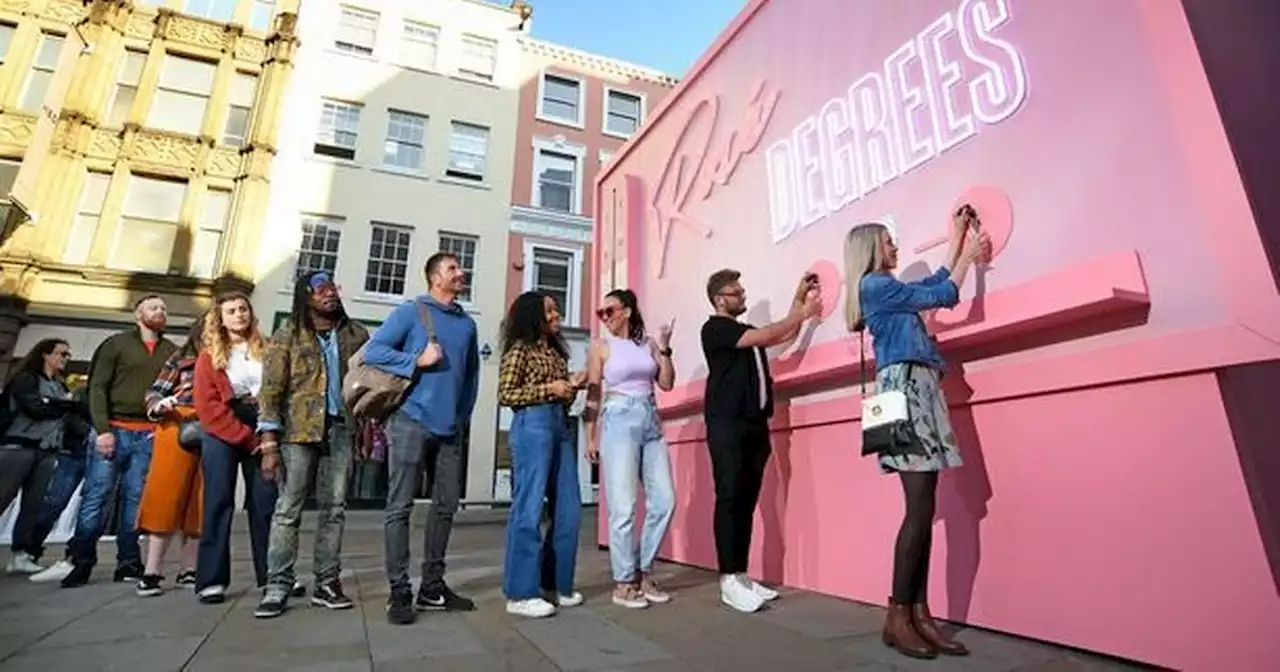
{"x": 23, "y": 563}
{"x": 57, "y": 572}
{"x": 535, "y": 607}
{"x": 763, "y": 592}
{"x": 738, "y": 596}
{"x": 571, "y": 600}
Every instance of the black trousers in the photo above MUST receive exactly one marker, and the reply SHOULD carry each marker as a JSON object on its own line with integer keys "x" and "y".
{"x": 740, "y": 450}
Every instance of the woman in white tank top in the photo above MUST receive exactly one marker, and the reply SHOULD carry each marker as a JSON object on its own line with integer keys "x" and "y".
{"x": 622, "y": 368}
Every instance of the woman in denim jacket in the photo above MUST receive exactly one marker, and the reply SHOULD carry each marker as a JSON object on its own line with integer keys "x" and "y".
{"x": 907, "y": 360}
{"x": 631, "y": 447}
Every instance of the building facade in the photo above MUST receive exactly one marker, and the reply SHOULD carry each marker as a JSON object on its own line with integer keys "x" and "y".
{"x": 136, "y": 146}
{"x": 400, "y": 144}
{"x": 576, "y": 109}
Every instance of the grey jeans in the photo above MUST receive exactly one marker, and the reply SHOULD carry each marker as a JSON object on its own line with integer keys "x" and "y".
{"x": 410, "y": 446}
{"x": 329, "y": 465}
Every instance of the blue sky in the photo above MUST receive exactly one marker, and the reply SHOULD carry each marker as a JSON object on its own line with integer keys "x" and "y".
{"x": 668, "y": 35}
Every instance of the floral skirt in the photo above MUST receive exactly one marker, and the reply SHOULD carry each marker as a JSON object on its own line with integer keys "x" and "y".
{"x": 928, "y": 409}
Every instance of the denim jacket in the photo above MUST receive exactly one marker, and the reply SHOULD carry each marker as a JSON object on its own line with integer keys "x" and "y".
{"x": 891, "y": 310}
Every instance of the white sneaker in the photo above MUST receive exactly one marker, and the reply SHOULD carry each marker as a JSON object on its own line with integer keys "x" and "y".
{"x": 212, "y": 595}
{"x": 23, "y": 563}
{"x": 739, "y": 596}
{"x": 57, "y": 572}
{"x": 535, "y": 607}
{"x": 766, "y": 594}
{"x": 572, "y": 600}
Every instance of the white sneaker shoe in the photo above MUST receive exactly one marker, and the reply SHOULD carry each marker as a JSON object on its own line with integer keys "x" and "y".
{"x": 535, "y": 607}
{"x": 23, "y": 563}
{"x": 739, "y": 596}
{"x": 57, "y": 572}
{"x": 572, "y": 600}
{"x": 764, "y": 593}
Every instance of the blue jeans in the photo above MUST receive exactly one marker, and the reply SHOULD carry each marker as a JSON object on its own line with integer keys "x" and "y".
{"x": 67, "y": 475}
{"x": 103, "y": 476}
{"x": 633, "y": 452}
{"x": 543, "y": 465}
{"x": 219, "y": 462}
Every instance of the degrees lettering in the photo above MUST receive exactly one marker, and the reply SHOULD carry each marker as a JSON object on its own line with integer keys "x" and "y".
{"x": 933, "y": 93}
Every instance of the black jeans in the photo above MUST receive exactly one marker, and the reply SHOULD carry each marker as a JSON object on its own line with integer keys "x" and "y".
{"x": 25, "y": 470}
{"x": 410, "y": 447}
{"x": 219, "y": 462}
{"x": 740, "y": 450}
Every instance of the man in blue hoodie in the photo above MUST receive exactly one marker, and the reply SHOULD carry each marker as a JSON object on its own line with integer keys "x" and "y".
{"x": 428, "y": 426}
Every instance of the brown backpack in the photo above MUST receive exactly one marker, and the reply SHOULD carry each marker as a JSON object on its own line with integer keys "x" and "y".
{"x": 374, "y": 394}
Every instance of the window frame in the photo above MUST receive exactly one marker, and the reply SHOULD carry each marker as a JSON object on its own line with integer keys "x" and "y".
{"x": 475, "y": 75}
{"x": 369, "y": 260}
{"x": 351, "y": 47}
{"x": 403, "y": 60}
{"x": 450, "y": 172}
{"x": 475, "y": 255}
{"x": 35, "y": 66}
{"x": 422, "y": 148}
{"x": 542, "y": 115}
{"x": 160, "y": 87}
{"x": 604, "y": 111}
{"x": 578, "y": 153}
{"x": 248, "y": 109}
{"x": 200, "y": 226}
{"x": 332, "y": 223}
{"x": 572, "y": 314}
{"x": 125, "y": 218}
{"x": 316, "y": 138}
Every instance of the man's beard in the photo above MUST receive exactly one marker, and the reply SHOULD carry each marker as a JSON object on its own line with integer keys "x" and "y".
{"x": 155, "y": 325}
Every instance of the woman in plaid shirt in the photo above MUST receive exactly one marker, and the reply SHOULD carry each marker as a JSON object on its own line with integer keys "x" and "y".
{"x": 534, "y": 381}
{"x": 172, "y": 496}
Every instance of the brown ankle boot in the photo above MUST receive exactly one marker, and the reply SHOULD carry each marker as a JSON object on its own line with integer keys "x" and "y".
{"x": 934, "y": 635}
{"x": 901, "y": 635}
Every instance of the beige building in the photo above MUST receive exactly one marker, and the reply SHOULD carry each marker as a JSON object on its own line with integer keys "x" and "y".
{"x": 400, "y": 143}
{"x": 136, "y": 146}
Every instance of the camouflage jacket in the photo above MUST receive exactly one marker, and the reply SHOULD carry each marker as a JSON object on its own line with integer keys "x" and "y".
{"x": 294, "y": 382}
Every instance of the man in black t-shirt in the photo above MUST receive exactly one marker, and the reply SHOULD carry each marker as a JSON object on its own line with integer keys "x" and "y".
{"x": 738, "y": 404}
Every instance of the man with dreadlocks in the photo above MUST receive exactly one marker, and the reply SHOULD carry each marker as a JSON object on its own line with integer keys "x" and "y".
{"x": 303, "y": 423}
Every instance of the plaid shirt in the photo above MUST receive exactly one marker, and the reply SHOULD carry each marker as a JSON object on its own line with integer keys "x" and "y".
{"x": 175, "y": 380}
{"x": 526, "y": 372}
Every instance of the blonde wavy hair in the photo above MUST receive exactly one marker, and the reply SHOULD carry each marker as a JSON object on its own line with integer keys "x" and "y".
{"x": 217, "y": 342}
{"x": 863, "y": 254}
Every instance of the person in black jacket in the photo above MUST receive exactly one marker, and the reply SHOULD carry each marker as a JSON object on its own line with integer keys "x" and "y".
{"x": 38, "y": 404}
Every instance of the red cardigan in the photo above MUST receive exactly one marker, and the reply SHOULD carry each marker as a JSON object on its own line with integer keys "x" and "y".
{"x": 213, "y": 395}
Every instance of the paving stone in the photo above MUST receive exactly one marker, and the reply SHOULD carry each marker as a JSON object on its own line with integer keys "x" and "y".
{"x": 579, "y": 639}
{"x": 104, "y": 626}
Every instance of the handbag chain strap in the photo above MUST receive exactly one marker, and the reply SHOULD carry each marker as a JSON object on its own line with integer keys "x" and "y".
{"x": 862, "y": 362}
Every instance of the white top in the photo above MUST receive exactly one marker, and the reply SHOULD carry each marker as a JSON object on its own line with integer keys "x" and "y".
{"x": 245, "y": 373}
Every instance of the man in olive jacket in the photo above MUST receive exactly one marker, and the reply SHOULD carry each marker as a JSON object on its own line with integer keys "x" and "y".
{"x": 304, "y": 423}
{"x": 123, "y": 368}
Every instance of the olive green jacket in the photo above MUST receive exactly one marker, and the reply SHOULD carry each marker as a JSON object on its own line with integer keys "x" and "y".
{"x": 295, "y": 383}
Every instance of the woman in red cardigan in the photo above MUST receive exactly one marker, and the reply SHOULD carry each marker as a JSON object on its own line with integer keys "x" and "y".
{"x": 227, "y": 381}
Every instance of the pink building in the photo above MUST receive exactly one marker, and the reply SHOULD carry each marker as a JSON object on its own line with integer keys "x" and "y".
{"x": 1113, "y": 370}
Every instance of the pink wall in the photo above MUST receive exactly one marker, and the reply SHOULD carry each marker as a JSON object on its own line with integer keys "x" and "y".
{"x": 1113, "y": 493}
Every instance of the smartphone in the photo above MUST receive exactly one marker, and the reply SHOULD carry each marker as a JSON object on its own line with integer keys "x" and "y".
{"x": 971, "y": 216}
{"x": 811, "y": 278}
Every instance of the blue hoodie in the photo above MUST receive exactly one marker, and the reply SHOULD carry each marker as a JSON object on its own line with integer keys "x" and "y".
{"x": 443, "y": 396}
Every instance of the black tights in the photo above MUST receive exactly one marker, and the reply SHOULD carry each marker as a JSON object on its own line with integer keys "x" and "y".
{"x": 915, "y": 538}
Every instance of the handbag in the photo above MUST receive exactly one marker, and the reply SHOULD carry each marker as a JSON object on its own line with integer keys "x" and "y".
{"x": 374, "y": 394}
{"x": 886, "y": 417}
{"x": 191, "y": 436}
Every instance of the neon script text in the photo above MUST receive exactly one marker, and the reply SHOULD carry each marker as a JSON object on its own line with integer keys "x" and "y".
{"x": 893, "y": 121}
{"x": 700, "y": 161}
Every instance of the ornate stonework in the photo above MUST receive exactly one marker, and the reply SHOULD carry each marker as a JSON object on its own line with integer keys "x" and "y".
{"x": 15, "y": 5}
{"x": 192, "y": 31}
{"x": 66, "y": 11}
{"x": 105, "y": 144}
{"x": 166, "y": 151}
{"x": 251, "y": 49}
{"x": 140, "y": 26}
{"x": 224, "y": 162}
{"x": 16, "y": 129}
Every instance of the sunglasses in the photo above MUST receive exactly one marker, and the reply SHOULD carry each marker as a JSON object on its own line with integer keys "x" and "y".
{"x": 606, "y": 312}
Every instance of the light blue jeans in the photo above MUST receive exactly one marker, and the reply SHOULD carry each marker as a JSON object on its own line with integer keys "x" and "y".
{"x": 633, "y": 453}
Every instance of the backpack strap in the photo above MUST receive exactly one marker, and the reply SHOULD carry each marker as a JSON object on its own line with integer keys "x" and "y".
{"x": 424, "y": 314}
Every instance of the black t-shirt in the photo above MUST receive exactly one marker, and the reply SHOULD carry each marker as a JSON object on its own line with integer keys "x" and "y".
{"x": 734, "y": 374}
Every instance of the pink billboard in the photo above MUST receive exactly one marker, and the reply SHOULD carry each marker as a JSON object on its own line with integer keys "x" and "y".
{"x": 1106, "y": 365}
